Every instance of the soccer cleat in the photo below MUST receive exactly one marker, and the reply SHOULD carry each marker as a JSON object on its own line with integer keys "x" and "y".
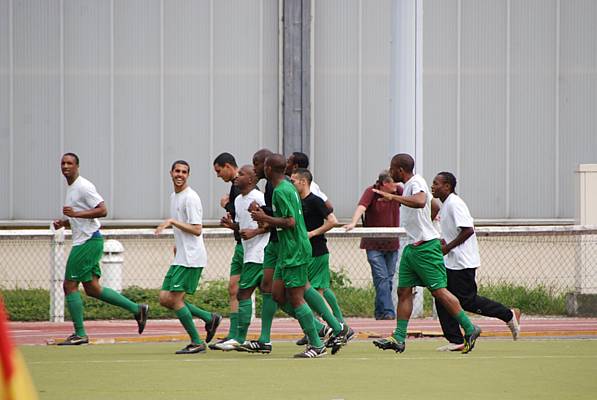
{"x": 212, "y": 346}
{"x": 141, "y": 317}
{"x": 228, "y": 345}
{"x": 514, "y": 323}
{"x": 192, "y": 348}
{"x": 390, "y": 343}
{"x": 335, "y": 342}
{"x": 324, "y": 332}
{"x": 254, "y": 346}
{"x": 469, "y": 340}
{"x": 451, "y": 347}
{"x": 74, "y": 340}
{"x": 312, "y": 352}
{"x": 212, "y": 326}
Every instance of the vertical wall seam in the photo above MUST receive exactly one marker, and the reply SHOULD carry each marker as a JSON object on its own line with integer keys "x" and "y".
{"x": 360, "y": 94}
{"x": 418, "y": 42}
{"x": 260, "y": 123}
{"x": 280, "y": 75}
{"x": 459, "y": 90}
{"x": 211, "y": 100}
{"x": 11, "y": 110}
{"x": 312, "y": 85}
{"x": 162, "y": 141}
{"x": 508, "y": 116}
{"x": 61, "y": 120}
{"x": 557, "y": 113}
{"x": 112, "y": 148}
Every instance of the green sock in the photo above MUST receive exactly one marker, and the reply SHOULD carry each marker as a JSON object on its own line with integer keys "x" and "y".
{"x": 465, "y": 322}
{"x": 305, "y": 318}
{"x": 400, "y": 331}
{"x": 287, "y": 308}
{"x": 317, "y": 303}
{"x": 318, "y": 324}
{"x": 330, "y": 297}
{"x": 268, "y": 309}
{"x": 186, "y": 319}
{"x": 233, "y": 331}
{"x": 116, "y": 299}
{"x": 199, "y": 312}
{"x": 74, "y": 302}
{"x": 245, "y": 307}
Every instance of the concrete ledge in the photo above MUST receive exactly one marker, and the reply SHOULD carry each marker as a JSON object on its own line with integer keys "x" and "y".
{"x": 581, "y": 305}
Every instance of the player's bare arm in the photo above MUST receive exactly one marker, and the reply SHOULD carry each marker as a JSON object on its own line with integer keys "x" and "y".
{"x": 417, "y": 200}
{"x": 261, "y": 217}
{"x": 193, "y": 229}
{"x": 465, "y": 233}
{"x": 328, "y": 224}
{"x": 99, "y": 211}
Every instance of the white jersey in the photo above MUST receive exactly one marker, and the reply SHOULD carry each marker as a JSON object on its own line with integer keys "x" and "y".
{"x": 317, "y": 191}
{"x": 253, "y": 248}
{"x": 454, "y": 215}
{"x": 186, "y": 207}
{"x": 417, "y": 221}
{"x": 82, "y": 195}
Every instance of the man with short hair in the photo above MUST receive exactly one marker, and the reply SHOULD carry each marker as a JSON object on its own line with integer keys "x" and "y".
{"x": 226, "y": 169}
{"x": 254, "y": 240}
{"x": 190, "y": 257}
{"x": 422, "y": 261}
{"x": 461, "y": 257}
{"x": 301, "y": 160}
{"x": 82, "y": 207}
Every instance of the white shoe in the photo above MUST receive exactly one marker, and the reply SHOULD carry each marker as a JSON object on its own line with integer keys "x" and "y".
{"x": 514, "y": 323}
{"x": 228, "y": 345}
{"x": 451, "y": 347}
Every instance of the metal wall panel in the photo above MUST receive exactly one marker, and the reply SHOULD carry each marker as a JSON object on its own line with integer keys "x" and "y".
{"x": 37, "y": 98}
{"x": 5, "y": 111}
{"x": 578, "y": 95}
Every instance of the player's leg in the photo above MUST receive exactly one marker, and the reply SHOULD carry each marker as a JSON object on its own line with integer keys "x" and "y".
{"x": 316, "y": 270}
{"x": 236, "y": 266}
{"x": 251, "y": 277}
{"x": 74, "y": 303}
{"x": 450, "y": 327}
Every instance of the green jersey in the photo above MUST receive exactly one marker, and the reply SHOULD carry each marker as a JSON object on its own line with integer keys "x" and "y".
{"x": 294, "y": 248}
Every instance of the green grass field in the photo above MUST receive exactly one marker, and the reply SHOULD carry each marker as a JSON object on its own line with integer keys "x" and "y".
{"x": 496, "y": 369}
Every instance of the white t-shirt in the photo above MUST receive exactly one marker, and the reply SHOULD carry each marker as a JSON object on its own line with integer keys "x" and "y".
{"x": 82, "y": 195}
{"x": 454, "y": 214}
{"x": 253, "y": 248}
{"x": 417, "y": 221}
{"x": 186, "y": 207}
{"x": 317, "y": 191}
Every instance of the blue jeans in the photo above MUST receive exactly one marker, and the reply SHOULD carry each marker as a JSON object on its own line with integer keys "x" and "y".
{"x": 383, "y": 268}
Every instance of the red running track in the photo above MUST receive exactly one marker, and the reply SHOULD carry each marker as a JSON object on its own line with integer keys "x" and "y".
{"x": 25, "y": 333}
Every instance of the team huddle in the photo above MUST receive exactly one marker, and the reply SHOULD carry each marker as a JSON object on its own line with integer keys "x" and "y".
{"x": 281, "y": 249}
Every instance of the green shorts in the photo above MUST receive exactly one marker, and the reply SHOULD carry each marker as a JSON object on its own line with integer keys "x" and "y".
{"x": 293, "y": 276}
{"x": 251, "y": 276}
{"x": 423, "y": 265}
{"x": 319, "y": 271}
{"x": 84, "y": 261}
{"x": 270, "y": 258}
{"x": 236, "y": 265}
{"x": 182, "y": 279}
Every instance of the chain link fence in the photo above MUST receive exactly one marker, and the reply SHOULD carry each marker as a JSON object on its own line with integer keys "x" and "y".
{"x": 559, "y": 259}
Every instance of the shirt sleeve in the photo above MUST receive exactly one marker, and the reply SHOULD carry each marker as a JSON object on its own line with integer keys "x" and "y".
{"x": 367, "y": 197}
{"x": 462, "y": 216}
{"x": 282, "y": 204}
{"x": 320, "y": 207}
{"x": 316, "y": 190}
{"x": 92, "y": 197}
{"x": 236, "y": 206}
{"x": 194, "y": 210}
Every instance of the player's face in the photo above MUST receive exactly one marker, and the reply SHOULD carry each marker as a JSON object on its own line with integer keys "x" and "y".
{"x": 179, "y": 174}
{"x": 289, "y": 165}
{"x": 226, "y": 172}
{"x": 298, "y": 182}
{"x": 259, "y": 166}
{"x": 244, "y": 179}
{"x": 439, "y": 187}
{"x": 388, "y": 187}
{"x": 69, "y": 167}
{"x": 396, "y": 172}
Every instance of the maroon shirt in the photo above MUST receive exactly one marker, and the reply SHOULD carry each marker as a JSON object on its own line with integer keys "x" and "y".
{"x": 380, "y": 214}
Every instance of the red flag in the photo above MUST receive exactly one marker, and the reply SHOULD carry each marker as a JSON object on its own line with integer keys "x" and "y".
{"x": 15, "y": 382}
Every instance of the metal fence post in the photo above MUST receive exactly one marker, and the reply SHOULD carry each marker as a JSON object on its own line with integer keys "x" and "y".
{"x": 58, "y": 267}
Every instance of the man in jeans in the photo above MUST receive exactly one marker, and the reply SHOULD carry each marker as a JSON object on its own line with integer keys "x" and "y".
{"x": 382, "y": 254}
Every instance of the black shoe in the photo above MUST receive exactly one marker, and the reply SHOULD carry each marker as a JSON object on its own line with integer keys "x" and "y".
{"x": 390, "y": 343}
{"x": 141, "y": 317}
{"x": 254, "y": 346}
{"x": 192, "y": 348}
{"x": 469, "y": 340}
{"x": 212, "y": 346}
{"x": 302, "y": 341}
{"x": 337, "y": 341}
{"x": 324, "y": 333}
{"x": 312, "y": 352}
{"x": 74, "y": 340}
{"x": 212, "y": 326}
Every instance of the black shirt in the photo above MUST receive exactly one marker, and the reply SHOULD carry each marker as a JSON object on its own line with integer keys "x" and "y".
{"x": 234, "y": 192}
{"x": 269, "y": 193}
{"x": 315, "y": 212}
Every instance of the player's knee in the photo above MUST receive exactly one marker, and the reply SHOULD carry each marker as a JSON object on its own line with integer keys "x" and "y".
{"x": 166, "y": 301}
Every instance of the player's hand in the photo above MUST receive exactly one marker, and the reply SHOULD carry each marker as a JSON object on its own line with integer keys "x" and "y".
{"x": 58, "y": 223}
{"x": 385, "y": 196}
{"x": 226, "y": 221}
{"x": 258, "y": 215}
{"x": 349, "y": 227}
{"x": 163, "y": 226}
{"x": 253, "y": 206}
{"x": 310, "y": 234}
{"x": 248, "y": 233}
{"x": 69, "y": 212}
{"x": 445, "y": 249}
{"x": 224, "y": 200}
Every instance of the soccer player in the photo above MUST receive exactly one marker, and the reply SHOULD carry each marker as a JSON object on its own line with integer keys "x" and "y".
{"x": 318, "y": 220}
{"x": 301, "y": 160}
{"x": 82, "y": 208}
{"x": 461, "y": 257}
{"x": 226, "y": 168}
{"x": 186, "y": 214}
{"x": 254, "y": 240}
{"x": 422, "y": 261}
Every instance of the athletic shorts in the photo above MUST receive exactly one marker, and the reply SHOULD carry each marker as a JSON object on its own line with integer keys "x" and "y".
{"x": 84, "y": 260}
{"x": 293, "y": 276}
{"x": 251, "y": 276}
{"x": 423, "y": 265}
{"x": 182, "y": 279}
{"x": 270, "y": 258}
{"x": 236, "y": 265}
{"x": 318, "y": 272}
